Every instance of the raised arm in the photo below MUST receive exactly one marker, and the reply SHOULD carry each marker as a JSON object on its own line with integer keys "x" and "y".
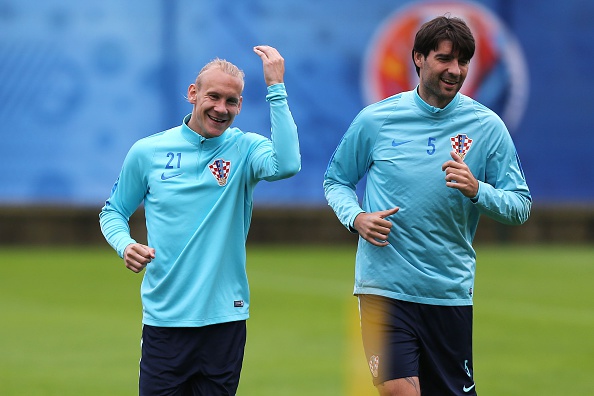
{"x": 278, "y": 158}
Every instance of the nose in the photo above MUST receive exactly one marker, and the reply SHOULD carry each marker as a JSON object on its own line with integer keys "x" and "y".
{"x": 221, "y": 106}
{"x": 454, "y": 68}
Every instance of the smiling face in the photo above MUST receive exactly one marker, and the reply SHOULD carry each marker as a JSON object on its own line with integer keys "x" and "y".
{"x": 441, "y": 73}
{"x": 216, "y": 97}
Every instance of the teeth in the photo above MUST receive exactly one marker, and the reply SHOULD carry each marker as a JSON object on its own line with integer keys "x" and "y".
{"x": 216, "y": 119}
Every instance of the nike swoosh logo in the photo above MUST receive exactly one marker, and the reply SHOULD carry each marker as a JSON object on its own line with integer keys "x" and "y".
{"x": 466, "y": 390}
{"x": 165, "y": 177}
{"x": 396, "y": 144}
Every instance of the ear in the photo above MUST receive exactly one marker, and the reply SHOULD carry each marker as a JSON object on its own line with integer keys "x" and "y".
{"x": 418, "y": 58}
{"x": 192, "y": 92}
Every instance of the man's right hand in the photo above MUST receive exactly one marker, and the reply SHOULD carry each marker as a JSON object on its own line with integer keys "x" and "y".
{"x": 373, "y": 227}
{"x": 137, "y": 256}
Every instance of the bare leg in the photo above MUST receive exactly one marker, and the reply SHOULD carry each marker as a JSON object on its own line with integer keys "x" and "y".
{"x": 400, "y": 387}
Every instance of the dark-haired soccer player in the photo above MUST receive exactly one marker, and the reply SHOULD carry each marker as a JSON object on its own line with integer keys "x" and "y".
{"x": 435, "y": 161}
{"x": 197, "y": 181}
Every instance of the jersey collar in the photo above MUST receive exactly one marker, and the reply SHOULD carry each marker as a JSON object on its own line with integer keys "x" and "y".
{"x": 432, "y": 110}
{"x": 195, "y": 138}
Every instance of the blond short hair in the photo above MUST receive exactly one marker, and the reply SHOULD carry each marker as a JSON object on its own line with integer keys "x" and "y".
{"x": 223, "y": 65}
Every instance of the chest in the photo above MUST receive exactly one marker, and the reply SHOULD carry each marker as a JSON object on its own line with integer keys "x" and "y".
{"x": 187, "y": 173}
{"x": 417, "y": 152}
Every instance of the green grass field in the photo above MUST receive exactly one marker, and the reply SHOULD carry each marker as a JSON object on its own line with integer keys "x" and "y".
{"x": 70, "y": 322}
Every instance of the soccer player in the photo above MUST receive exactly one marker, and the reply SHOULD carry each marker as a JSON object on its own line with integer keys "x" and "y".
{"x": 197, "y": 182}
{"x": 435, "y": 161}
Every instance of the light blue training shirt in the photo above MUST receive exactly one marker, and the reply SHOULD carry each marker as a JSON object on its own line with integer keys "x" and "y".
{"x": 198, "y": 202}
{"x": 400, "y": 145}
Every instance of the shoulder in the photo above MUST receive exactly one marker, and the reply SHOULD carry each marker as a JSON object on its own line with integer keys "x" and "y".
{"x": 376, "y": 113}
{"x": 388, "y": 104}
{"x": 237, "y": 136}
{"x": 490, "y": 125}
{"x": 156, "y": 138}
{"x": 485, "y": 115}
{"x": 144, "y": 148}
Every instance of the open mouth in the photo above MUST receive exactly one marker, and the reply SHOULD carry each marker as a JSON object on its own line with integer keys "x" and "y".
{"x": 449, "y": 82}
{"x": 217, "y": 120}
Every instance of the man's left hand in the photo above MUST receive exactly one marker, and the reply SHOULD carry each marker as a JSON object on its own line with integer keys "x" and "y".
{"x": 272, "y": 63}
{"x": 459, "y": 176}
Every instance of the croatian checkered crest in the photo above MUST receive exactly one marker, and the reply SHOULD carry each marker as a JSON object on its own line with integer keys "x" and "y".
{"x": 461, "y": 144}
{"x": 220, "y": 170}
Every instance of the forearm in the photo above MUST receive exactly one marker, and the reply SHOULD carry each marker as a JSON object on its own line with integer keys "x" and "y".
{"x": 343, "y": 200}
{"x": 285, "y": 141}
{"x": 115, "y": 229}
{"x": 507, "y": 207}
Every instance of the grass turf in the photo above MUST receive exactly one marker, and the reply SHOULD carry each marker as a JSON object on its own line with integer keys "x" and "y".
{"x": 70, "y": 322}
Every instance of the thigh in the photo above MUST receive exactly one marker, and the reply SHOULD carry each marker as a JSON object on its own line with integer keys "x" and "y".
{"x": 192, "y": 361}
{"x": 221, "y": 360}
{"x": 446, "y": 365}
{"x": 389, "y": 339}
{"x": 162, "y": 362}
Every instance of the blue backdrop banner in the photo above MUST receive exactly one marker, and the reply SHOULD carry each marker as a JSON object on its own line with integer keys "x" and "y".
{"x": 81, "y": 81}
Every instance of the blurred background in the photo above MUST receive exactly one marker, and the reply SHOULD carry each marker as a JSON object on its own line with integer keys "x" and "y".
{"x": 81, "y": 81}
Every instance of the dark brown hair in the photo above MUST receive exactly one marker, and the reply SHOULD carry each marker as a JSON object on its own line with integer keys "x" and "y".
{"x": 432, "y": 33}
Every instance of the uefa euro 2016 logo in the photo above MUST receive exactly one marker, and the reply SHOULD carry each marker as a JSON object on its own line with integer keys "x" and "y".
{"x": 497, "y": 77}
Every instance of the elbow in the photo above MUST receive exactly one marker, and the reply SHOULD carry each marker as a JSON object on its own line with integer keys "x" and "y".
{"x": 289, "y": 172}
{"x": 519, "y": 220}
{"x": 523, "y": 214}
{"x": 523, "y": 217}
{"x": 295, "y": 168}
{"x": 290, "y": 169}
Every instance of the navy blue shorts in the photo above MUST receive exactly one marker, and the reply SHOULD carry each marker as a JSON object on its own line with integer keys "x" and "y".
{"x": 431, "y": 342}
{"x": 192, "y": 360}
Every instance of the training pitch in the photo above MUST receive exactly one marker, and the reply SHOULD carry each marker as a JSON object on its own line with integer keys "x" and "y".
{"x": 70, "y": 322}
